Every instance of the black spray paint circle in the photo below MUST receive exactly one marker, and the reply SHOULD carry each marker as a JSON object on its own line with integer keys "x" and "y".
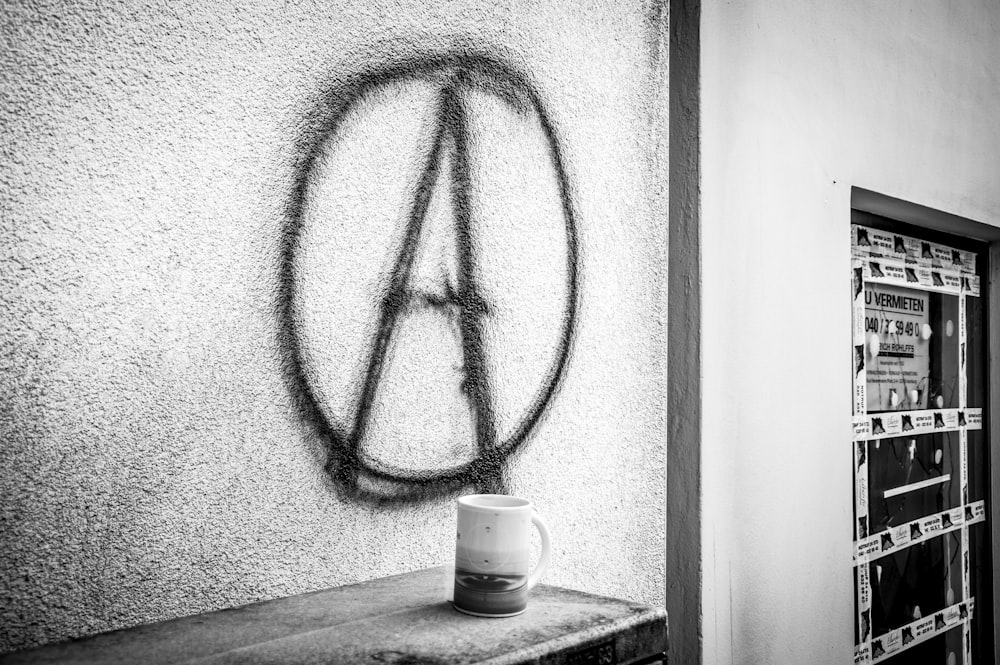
{"x": 453, "y": 77}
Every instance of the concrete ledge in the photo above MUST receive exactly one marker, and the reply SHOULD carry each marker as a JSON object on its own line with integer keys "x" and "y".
{"x": 403, "y": 619}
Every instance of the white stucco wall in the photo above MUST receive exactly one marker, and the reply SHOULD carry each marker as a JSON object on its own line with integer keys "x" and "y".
{"x": 801, "y": 101}
{"x": 155, "y": 460}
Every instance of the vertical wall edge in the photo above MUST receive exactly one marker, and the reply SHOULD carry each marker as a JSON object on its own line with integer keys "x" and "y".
{"x": 684, "y": 565}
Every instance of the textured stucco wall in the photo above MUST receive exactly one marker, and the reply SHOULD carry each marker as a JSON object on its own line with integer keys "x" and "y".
{"x": 159, "y": 456}
{"x": 801, "y": 100}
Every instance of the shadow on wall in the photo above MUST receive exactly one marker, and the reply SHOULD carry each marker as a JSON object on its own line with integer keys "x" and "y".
{"x": 429, "y": 277}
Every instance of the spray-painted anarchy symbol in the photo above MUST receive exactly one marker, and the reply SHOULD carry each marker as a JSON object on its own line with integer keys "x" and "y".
{"x": 430, "y": 276}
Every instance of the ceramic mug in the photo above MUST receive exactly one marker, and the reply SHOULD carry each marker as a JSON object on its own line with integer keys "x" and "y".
{"x": 492, "y": 548}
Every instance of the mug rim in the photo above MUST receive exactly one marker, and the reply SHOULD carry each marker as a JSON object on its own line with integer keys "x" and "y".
{"x": 514, "y": 502}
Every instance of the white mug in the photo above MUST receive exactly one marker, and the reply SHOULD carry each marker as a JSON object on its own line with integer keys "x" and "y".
{"x": 492, "y": 548}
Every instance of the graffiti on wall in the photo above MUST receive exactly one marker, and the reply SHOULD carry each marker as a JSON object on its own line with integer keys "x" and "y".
{"x": 430, "y": 276}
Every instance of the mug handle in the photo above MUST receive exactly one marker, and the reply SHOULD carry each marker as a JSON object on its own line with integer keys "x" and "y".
{"x": 543, "y": 560}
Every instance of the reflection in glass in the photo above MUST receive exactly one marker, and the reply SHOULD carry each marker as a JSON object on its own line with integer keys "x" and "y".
{"x": 975, "y": 366}
{"x": 915, "y": 582}
{"x": 911, "y": 477}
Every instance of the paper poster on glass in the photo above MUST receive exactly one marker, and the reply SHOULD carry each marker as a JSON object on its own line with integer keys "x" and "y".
{"x": 912, "y": 347}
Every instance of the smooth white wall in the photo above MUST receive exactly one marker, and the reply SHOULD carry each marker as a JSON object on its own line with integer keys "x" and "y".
{"x": 802, "y": 100}
{"x": 154, "y": 461}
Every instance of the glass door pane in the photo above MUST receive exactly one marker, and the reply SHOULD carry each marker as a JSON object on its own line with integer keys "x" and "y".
{"x": 920, "y": 456}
